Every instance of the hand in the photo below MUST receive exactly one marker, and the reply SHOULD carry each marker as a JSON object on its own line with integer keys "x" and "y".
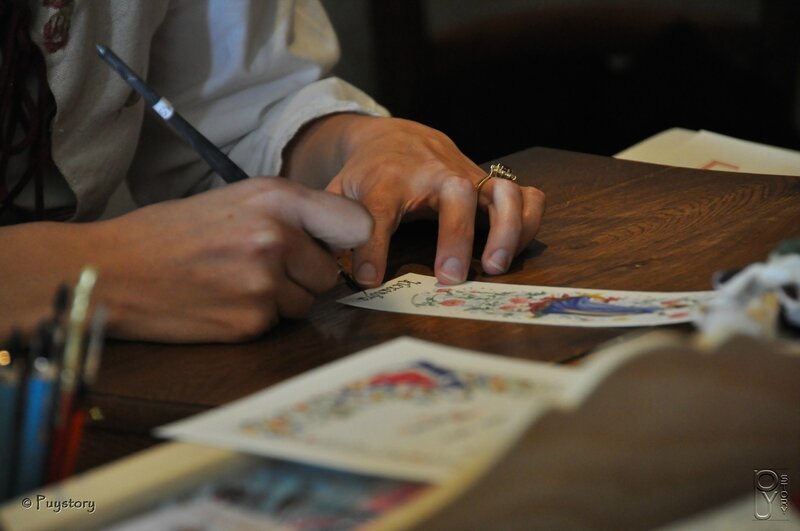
{"x": 397, "y": 168}
{"x": 225, "y": 264}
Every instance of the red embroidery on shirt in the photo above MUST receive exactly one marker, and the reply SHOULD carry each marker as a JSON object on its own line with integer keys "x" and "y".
{"x": 55, "y": 33}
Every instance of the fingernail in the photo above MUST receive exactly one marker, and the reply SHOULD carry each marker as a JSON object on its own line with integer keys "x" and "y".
{"x": 500, "y": 260}
{"x": 453, "y": 270}
{"x": 366, "y": 274}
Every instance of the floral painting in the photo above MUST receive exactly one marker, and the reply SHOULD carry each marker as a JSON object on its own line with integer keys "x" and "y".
{"x": 545, "y": 305}
{"x": 578, "y": 305}
{"x": 421, "y": 383}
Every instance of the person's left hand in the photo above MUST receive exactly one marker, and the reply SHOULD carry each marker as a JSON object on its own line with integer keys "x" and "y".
{"x": 398, "y": 168}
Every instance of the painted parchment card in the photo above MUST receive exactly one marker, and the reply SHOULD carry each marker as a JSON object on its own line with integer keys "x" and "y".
{"x": 405, "y": 409}
{"x": 514, "y": 303}
{"x": 278, "y": 496}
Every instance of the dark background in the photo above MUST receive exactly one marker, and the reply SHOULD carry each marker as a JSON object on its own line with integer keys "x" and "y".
{"x": 593, "y": 76}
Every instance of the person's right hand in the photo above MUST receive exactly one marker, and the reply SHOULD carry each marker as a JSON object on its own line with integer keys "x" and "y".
{"x": 223, "y": 265}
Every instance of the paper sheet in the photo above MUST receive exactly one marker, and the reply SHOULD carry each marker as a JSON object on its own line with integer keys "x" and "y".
{"x": 712, "y": 151}
{"x": 406, "y": 409}
{"x": 514, "y": 303}
{"x": 278, "y": 496}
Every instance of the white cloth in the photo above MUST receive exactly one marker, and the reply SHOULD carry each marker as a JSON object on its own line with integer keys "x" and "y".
{"x": 246, "y": 73}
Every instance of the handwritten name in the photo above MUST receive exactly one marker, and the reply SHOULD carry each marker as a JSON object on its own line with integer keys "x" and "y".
{"x": 380, "y": 293}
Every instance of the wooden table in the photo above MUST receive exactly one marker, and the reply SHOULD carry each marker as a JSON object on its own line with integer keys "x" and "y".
{"x": 610, "y": 224}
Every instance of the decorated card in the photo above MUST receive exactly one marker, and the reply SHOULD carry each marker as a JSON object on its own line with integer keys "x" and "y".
{"x": 278, "y": 496}
{"x": 405, "y": 409}
{"x": 544, "y": 305}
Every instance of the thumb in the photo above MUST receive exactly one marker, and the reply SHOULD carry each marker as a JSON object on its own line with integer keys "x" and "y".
{"x": 339, "y": 222}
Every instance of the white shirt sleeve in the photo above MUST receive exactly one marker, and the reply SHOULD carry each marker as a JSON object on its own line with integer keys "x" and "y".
{"x": 248, "y": 74}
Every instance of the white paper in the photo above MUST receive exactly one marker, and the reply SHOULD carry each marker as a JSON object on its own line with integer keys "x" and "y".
{"x": 515, "y": 303}
{"x": 406, "y": 409}
{"x": 659, "y": 148}
{"x": 712, "y": 151}
{"x": 203, "y": 515}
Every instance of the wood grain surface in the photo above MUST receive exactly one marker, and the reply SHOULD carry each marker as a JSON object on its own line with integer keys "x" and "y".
{"x": 610, "y": 224}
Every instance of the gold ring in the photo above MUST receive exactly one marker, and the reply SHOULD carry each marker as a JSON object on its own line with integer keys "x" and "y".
{"x": 496, "y": 170}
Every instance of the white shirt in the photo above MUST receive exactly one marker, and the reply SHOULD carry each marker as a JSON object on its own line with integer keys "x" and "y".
{"x": 248, "y": 74}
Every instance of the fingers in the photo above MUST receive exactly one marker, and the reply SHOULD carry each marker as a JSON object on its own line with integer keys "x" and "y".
{"x": 456, "y": 230}
{"x": 293, "y": 301}
{"x": 533, "y": 207}
{"x": 290, "y": 221}
{"x": 334, "y": 219}
{"x": 277, "y": 273}
{"x": 304, "y": 263}
{"x": 505, "y": 226}
{"x": 369, "y": 260}
{"x": 515, "y": 214}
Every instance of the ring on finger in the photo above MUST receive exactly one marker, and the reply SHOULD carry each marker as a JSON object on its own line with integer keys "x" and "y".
{"x": 499, "y": 171}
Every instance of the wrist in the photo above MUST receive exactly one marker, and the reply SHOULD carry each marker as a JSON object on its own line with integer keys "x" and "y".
{"x": 319, "y": 151}
{"x": 349, "y": 129}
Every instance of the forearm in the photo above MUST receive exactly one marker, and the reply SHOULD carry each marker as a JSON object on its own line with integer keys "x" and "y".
{"x": 36, "y": 258}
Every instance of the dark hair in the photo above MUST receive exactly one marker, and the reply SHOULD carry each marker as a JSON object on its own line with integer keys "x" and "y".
{"x": 26, "y": 109}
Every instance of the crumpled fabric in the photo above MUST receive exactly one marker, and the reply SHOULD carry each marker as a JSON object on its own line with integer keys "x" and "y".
{"x": 753, "y": 300}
